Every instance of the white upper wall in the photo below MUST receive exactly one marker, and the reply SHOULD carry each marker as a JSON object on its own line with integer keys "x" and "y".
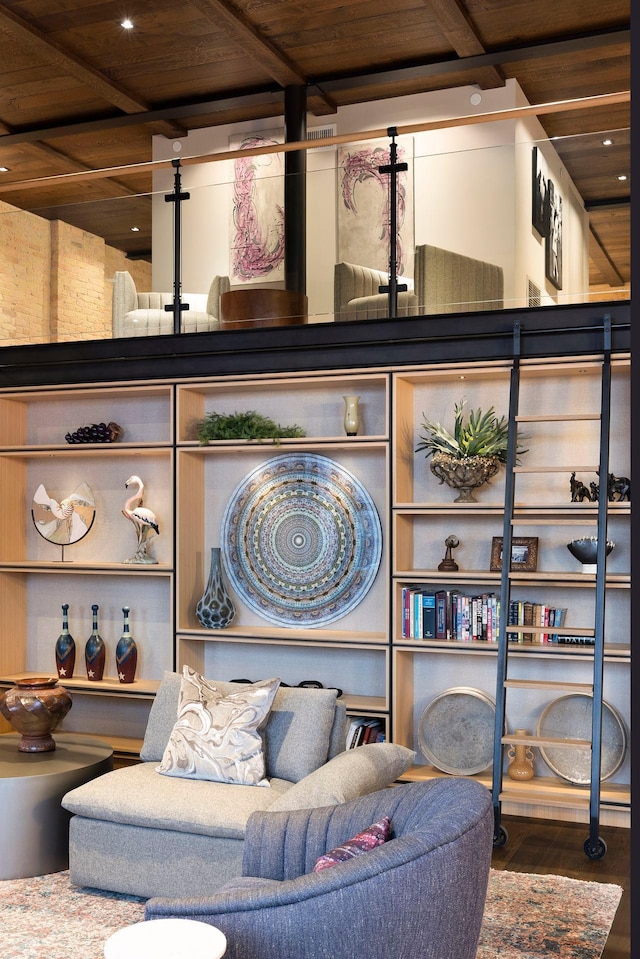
{"x": 472, "y": 194}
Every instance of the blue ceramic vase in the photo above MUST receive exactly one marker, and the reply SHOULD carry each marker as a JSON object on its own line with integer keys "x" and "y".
{"x": 215, "y": 608}
{"x": 65, "y": 648}
{"x": 94, "y": 650}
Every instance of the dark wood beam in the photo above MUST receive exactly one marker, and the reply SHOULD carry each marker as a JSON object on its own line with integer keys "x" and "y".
{"x": 600, "y": 258}
{"x": 48, "y": 50}
{"x": 226, "y": 17}
{"x": 455, "y": 24}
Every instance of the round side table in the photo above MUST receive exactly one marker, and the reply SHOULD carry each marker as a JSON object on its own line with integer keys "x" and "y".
{"x": 34, "y": 828}
{"x": 166, "y": 939}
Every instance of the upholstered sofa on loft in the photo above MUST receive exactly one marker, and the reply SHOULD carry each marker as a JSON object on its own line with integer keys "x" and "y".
{"x": 143, "y": 314}
{"x": 138, "y": 831}
{"x": 444, "y": 282}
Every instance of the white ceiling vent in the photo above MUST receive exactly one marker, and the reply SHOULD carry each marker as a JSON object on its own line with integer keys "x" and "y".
{"x": 319, "y": 133}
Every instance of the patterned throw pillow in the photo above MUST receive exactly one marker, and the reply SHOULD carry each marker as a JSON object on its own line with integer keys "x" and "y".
{"x": 217, "y": 737}
{"x": 369, "y": 838}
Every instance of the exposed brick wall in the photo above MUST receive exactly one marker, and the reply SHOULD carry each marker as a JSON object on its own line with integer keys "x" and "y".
{"x": 56, "y": 281}
{"x": 25, "y": 255}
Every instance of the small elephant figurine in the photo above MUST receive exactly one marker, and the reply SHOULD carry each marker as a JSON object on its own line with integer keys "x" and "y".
{"x": 579, "y": 491}
{"x": 618, "y": 488}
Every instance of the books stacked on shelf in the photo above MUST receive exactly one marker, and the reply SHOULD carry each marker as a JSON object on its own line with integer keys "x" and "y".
{"x": 526, "y": 613}
{"x": 576, "y": 641}
{"x": 449, "y": 614}
{"x": 365, "y": 729}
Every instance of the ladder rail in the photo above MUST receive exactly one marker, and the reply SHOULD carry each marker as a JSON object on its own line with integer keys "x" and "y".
{"x": 507, "y": 536}
{"x": 594, "y": 847}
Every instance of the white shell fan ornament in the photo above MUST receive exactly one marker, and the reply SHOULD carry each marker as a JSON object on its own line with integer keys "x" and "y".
{"x": 66, "y": 521}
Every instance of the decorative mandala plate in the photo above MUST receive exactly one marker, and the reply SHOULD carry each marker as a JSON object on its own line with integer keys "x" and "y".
{"x": 301, "y": 540}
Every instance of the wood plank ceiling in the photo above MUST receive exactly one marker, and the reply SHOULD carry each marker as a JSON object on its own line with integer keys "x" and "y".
{"x": 78, "y": 92}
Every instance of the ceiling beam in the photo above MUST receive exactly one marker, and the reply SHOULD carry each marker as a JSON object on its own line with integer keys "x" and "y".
{"x": 233, "y": 101}
{"x": 225, "y": 16}
{"x": 48, "y": 50}
{"x": 455, "y": 24}
{"x": 602, "y": 261}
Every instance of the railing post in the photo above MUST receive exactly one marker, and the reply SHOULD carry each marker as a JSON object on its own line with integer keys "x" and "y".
{"x": 176, "y": 197}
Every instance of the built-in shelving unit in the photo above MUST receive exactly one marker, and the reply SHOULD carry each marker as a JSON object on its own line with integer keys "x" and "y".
{"x": 364, "y": 653}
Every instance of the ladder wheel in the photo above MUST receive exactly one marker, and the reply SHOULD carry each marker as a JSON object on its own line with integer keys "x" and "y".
{"x": 598, "y": 851}
{"x": 500, "y": 837}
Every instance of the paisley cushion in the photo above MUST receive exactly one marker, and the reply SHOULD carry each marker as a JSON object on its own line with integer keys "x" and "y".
{"x": 369, "y": 838}
{"x": 216, "y": 736}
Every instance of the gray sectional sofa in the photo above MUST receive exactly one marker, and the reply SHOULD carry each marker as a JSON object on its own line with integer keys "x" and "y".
{"x": 138, "y": 832}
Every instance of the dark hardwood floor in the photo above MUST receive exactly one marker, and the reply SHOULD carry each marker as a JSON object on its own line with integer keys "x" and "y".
{"x": 543, "y": 846}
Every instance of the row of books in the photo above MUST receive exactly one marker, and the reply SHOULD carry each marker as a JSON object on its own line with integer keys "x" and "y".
{"x": 451, "y": 615}
{"x": 365, "y": 729}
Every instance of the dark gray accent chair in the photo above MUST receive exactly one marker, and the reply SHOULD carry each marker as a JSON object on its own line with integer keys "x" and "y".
{"x": 419, "y": 896}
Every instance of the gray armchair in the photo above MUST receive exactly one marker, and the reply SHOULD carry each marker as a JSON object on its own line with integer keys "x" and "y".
{"x": 444, "y": 282}
{"x": 420, "y": 895}
{"x": 144, "y": 314}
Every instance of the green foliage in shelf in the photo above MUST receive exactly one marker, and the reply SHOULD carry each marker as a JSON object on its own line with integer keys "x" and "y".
{"x": 482, "y": 434}
{"x": 243, "y": 426}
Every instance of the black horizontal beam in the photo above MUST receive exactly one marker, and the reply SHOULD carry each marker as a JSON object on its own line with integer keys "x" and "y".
{"x": 323, "y": 86}
{"x": 546, "y": 331}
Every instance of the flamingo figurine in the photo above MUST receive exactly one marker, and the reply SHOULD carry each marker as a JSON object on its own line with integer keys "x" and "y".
{"x": 143, "y": 519}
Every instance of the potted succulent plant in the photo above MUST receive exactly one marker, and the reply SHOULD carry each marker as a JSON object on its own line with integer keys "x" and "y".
{"x": 243, "y": 426}
{"x": 472, "y": 454}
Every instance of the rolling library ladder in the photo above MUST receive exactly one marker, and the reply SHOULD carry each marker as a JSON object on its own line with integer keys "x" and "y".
{"x": 594, "y": 846}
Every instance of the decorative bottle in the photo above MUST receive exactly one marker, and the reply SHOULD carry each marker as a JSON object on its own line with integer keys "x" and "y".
{"x": 351, "y": 415}
{"x": 520, "y": 755}
{"x": 65, "y": 648}
{"x": 126, "y": 652}
{"x": 94, "y": 650}
{"x": 215, "y": 608}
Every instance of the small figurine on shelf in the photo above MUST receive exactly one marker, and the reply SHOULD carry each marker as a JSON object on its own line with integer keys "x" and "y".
{"x": 618, "y": 488}
{"x": 65, "y": 647}
{"x": 143, "y": 519}
{"x": 94, "y": 650}
{"x": 449, "y": 564}
{"x": 579, "y": 492}
{"x": 126, "y": 652}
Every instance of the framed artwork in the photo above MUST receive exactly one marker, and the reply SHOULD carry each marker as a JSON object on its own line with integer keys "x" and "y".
{"x": 553, "y": 239}
{"x": 256, "y": 240}
{"x": 364, "y": 212}
{"x": 524, "y": 554}
{"x": 538, "y": 194}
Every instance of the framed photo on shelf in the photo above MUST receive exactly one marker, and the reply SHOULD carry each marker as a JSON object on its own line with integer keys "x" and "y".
{"x": 524, "y": 554}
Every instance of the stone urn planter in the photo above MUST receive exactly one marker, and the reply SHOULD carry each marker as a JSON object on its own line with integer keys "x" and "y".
{"x": 464, "y": 473}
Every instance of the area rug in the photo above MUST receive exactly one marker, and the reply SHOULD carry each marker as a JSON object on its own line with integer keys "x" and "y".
{"x": 526, "y": 917}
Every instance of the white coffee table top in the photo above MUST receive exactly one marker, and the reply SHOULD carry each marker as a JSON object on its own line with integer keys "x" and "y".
{"x": 166, "y": 939}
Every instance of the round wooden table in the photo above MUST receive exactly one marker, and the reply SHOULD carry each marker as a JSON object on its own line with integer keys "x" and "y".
{"x": 254, "y": 306}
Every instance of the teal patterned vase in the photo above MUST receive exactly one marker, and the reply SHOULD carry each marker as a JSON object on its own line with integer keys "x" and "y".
{"x": 215, "y": 608}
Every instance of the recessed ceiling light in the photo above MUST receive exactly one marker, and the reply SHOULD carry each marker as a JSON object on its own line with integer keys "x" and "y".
{"x": 127, "y": 24}
{"x": 135, "y": 229}
{"x": 607, "y": 142}
{"x": 4, "y": 169}
{"x": 622, "y": 176}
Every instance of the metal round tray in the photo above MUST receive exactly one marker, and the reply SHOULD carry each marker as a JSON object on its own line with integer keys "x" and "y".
{"x": 569, "y": 717}
{"x": 456, "y": 731}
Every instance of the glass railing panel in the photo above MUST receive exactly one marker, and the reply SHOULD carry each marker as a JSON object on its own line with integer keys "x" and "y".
{"x": 498, "y": 226}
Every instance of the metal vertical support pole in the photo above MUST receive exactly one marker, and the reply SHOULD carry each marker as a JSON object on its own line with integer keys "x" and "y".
{"x": 594, "y": 848}
{"x": 295, "y": 190}
{"x": 176, "y": 197}
{"x": 499, "y": 834}
{"x": 393, "y": 168}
